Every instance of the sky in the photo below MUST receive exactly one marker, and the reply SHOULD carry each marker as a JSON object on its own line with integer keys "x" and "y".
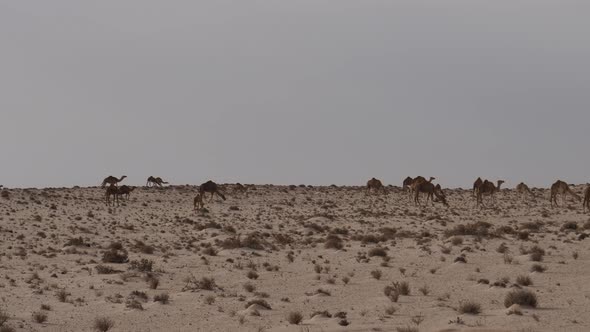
{"x": 294, "y": 92}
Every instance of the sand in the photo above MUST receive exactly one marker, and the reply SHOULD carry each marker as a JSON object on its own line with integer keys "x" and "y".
{"x": 283, "y": 234}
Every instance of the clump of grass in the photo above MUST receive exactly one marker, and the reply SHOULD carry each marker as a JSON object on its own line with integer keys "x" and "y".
{"x": 210, "y": 300}
{"x": 105, "y": 269}
{"x": 403, "y": 288}
{"x": 424, "y": 290}
{"x": 407, "y": 329}
{"x": 538, "y": 268}
{"x": 333, "y": 241}
{"x": 390, "y": 310}
{"x": 469, "y": 307}
{"x": 376, "y": 274}
{"x": 522, "y": 297}
{"x": 114, "y": 255}
{"x": 205, "y": 283}
{"x": 103, "y": 324}
{"x": 378, "y": 251}
{"x": 62, "y": 295}
{"x": 294, "y": 317}
{"x": 524, "y": 280}
{"x": 249, "y": 287}
{"x": 163, "y": 298}
{"x": 39, "y": 317}
{"x": 252, "y": 275}
{"x": 3, "y": 317}
{"x": 142, "y": 265}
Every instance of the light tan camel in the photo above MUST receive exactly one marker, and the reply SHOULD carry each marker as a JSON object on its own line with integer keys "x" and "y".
{"x": 198, "y": 202}
{"x": 376, "y": 185}
{"x": 488, "y": 188}
{"x": 111, "y": 180}
{"x": 586, "y": 203}
{"x": 523, "y": 190}
{"x": 125, "y": 191}
{"x": 561, "y": 188}
{"x": 478, "y": 182}
{"x": 112, "y": 190}
{"x": 210, "y": 187}
{"x": 153, "y": 181}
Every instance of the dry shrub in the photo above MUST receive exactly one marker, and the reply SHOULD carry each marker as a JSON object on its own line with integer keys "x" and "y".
{"x": 294, "y": 317}
{"x": 379, "y": 251}
{"x": 522, "y": 297}
{"x": 103, "y": 324}
{"x": 163, "y": 298}
{"x": 333, "y": 241}
{"x": 469, "y": 307}
{"x": 480, "y": 229}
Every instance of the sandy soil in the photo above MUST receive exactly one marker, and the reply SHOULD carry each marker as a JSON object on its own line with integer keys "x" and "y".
{"x": 295, "y": 250}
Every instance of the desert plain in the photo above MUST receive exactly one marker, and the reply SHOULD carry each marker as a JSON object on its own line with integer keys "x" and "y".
{"x": 291, "y": 258}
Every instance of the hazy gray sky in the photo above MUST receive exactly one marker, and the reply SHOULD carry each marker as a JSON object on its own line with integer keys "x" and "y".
{"x": 289, "y": 92}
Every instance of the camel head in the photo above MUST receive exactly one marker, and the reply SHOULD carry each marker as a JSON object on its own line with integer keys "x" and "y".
{"x": 431, "y": 178}
{"x": 124, "y": 176}
{"x": 500, "y": 183}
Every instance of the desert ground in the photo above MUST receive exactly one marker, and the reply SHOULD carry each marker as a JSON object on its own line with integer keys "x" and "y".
{"x": 291, "y": 258}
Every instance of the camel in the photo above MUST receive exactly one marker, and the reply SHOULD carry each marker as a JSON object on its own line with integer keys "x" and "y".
{"x": 407, "y": 185}
{"x": 112, "y": 190}
{"x": 417, "y": 181}
{"x": 125, "y": 190}
{"x": 375, "y": 184}
{"x": 210, "y": 187}
{"x": 561, "y": 188}
{"x": 112, "y": 180}
{"x": 153, "y": 181}
{"x": 586, "y": 203}
{"x": 488, "y": 188}
{"x": 476, "y": 186}
{"x": 523, "y": 189}
{"x": 198, "y": 202}
{"x": 430, "y": 190}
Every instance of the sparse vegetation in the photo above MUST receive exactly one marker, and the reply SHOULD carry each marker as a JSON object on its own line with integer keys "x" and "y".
{"x": 522, "y": 297}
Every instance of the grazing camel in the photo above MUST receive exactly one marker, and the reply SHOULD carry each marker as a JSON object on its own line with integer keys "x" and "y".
{"x": 586, "y": 203}
{"x": 407, "y": 185}
{"x": 198, "y": 202}
{"x": 152, "y": 181}
{"x": 488, "y": 188}
{"x": 523, "y": 190}
{"x": 476, "y": 186}
{"x": 561, "y": 188}
{"x": 125, "y": 190}
{"x": 430, "y": 190}
{"x": 112, "y": 190}
{"x": 210, "y": 187}
{"x": 375, "y": 184}
{"x": 111, "y": 180}
{"x": 417, "y": 181}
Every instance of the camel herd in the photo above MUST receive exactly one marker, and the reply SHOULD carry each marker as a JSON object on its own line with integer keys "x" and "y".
{"x": 413, "y": 186}
{"x": 116, "y": 192}
{"x": 481, "y": 188}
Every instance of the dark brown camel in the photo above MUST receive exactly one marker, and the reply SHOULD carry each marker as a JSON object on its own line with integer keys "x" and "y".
{"x": 488, "y": 188}
{"x": 153, "y": 181}
{"x": 112, "y": 190}
{"x": 374, "y": 184}
{"x": 125, "y": 191}
{"x": 210, "y": 187}
{"x": 476, "y": 186}
{"x": 111, "y": 180}
{"x": 561, "y": 188}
